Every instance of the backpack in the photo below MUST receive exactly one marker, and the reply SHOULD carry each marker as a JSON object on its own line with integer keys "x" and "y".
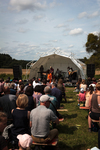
{"x": 94, "y": 126}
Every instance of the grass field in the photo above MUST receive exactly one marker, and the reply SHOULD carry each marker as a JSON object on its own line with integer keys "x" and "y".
{"x": 73, "y": 131}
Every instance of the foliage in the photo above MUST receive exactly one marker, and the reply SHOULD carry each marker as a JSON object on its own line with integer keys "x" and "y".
{"x": 7, "y": 62}
{"x": 93, "y": 46}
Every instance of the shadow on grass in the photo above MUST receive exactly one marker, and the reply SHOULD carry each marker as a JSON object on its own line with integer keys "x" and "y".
{"x": 66, "y": 129}
{"x": 63, "y": 146}
{"x": 69, "y": 116}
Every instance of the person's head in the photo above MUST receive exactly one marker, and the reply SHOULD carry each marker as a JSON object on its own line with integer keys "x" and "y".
{"x": 98, "y": 86}
{"x": 93, "y": 79}
{"x": 3, "y": 121}
{"x": 37, "y": 88}
{"x": 47, "y": 90}
{"x": 91, "y": 89}
{"x": 6, "y": 90}
{"x": 60, "y": 81}
{"x": 53, "y": 85}
{"x": 82, "y": 90}
{"x": 29, "y": 91}
{"x": 44, "y": 81}
{"x": 21, "y": 86}
{"x": 83, "y": 81}
{"x": 25, "y": 140}
{"x": 12, "y": 86}
{"x": 22, "y": 101}
{"x": 45, "y": 100}
{"x": 30, "y": 82}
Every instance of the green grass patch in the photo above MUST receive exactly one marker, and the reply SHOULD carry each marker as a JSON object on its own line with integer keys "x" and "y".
{"x": 73, "y": 131}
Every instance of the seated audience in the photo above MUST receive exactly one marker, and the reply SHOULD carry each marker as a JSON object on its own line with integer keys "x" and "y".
{"x": 94, "y": 104}
{"x": 77, "y": 88}
{"x": 40, "y": 118}
{"x": 31, "y": 100}
{"x": 87, "y": 95}
{"x": 83, "y": 85}
{"x": 43, "y": 85}
{"x": 57, "y": 93}
{"x": 37, "y": 94}
{"x": 7, "y": 103}
{"x": 61, "y": 87}
{"x": 3, "y": 124}
{"x": 81, "y": 96}
{"x": 12, "y": 89}
{"x": 20, "y": 118}
{"x": 54, "y": 102}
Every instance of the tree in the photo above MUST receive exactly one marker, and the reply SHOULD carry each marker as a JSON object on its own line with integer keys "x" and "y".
{"x": 93, "y": 46}
{"x": 93, "y": 43}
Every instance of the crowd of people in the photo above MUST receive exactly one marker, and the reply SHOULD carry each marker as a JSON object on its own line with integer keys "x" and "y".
{"x": 28, "y": 108}
{"x": 89, "y": 94}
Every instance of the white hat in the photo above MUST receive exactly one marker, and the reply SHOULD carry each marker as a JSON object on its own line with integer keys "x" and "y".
{"x": 45, "y": 98}
{"x": 82, "y": 90}
{"x": 25, "y": 140}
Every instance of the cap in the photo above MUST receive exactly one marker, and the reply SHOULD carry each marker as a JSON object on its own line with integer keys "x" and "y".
{"x": 45, "y": 98}
{"x": 25, "y": 140}
{"x": 82, "y": 90}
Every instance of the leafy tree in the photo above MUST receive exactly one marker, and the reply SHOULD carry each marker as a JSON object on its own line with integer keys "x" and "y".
{"x": 93, "y": 46}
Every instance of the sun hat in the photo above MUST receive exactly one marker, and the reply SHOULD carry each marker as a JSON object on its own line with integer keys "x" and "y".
{"x": 82, "y": 90}
{"x": 45, "y": 98}
{"x": 25, "y": 140}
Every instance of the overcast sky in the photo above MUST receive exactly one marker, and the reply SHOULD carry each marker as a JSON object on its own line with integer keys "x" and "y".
{"x": 29, "y": 28}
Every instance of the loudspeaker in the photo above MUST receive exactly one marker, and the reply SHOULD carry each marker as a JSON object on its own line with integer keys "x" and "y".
{"x": 17, "y": 72}
{"x": 90, "y": 70}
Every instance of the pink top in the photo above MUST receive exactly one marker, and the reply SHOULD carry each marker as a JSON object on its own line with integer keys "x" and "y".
{"x": 82, "y": 97}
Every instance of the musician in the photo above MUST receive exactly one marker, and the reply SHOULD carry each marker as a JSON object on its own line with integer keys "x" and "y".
{"x": 70, "y": 71}
{"x": 51, "y": 70}
{"x": 41, "y": 71}
{"x": 49, "y": 76}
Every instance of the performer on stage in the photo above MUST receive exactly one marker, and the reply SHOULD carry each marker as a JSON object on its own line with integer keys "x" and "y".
{"x": 70, "y": 71}
{"x": 51, "y": 70}
{"x": 49, "y": 76}
{"x": 41, "y": 72}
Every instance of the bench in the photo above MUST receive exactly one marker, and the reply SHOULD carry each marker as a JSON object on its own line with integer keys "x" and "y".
{"x": 41, "y": 146}
{"x": 61, "y": 119}
{"x": 83, "y": 107}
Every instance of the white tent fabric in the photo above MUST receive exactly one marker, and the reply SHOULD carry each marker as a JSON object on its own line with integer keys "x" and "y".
{"x": 60, "y": 62}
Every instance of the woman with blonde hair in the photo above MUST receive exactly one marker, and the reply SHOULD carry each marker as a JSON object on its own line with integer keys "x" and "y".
{"x": 20, "y": 118}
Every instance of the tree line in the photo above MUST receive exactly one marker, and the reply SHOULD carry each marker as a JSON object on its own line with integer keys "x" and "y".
{"x": 92, "y": 47}
{"x": 6, "y": 61}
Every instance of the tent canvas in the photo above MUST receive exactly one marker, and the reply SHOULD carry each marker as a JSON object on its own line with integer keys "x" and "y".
{"x": 60, "y": 62}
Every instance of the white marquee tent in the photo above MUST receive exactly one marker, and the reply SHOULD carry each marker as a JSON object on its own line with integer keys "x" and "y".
{"x": 58, "y": 61}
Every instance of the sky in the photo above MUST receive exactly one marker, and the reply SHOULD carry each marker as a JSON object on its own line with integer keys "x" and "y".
{"x": 31, "y": 28}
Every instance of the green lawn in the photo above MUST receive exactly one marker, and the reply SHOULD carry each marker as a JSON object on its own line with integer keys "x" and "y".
{"x": 73, "y": 131}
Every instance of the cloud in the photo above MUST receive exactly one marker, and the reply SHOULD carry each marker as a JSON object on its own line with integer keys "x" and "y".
{"x": 60, "y": 26}
{"x": 70, "y": 20}
{"x": 95, "y": 33}
{"x": 31, "y": 5}
{"x": 38, "y": 17}
{"x": 95, "y": 14}
{"x": 70, "y": 46}
{"x": 53, "y": 4}
{"x": 81, "y": 15}
{"x": 76, "y": 31}
{"x": 23, "y": 21}
{"x": 21, "y": 30}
